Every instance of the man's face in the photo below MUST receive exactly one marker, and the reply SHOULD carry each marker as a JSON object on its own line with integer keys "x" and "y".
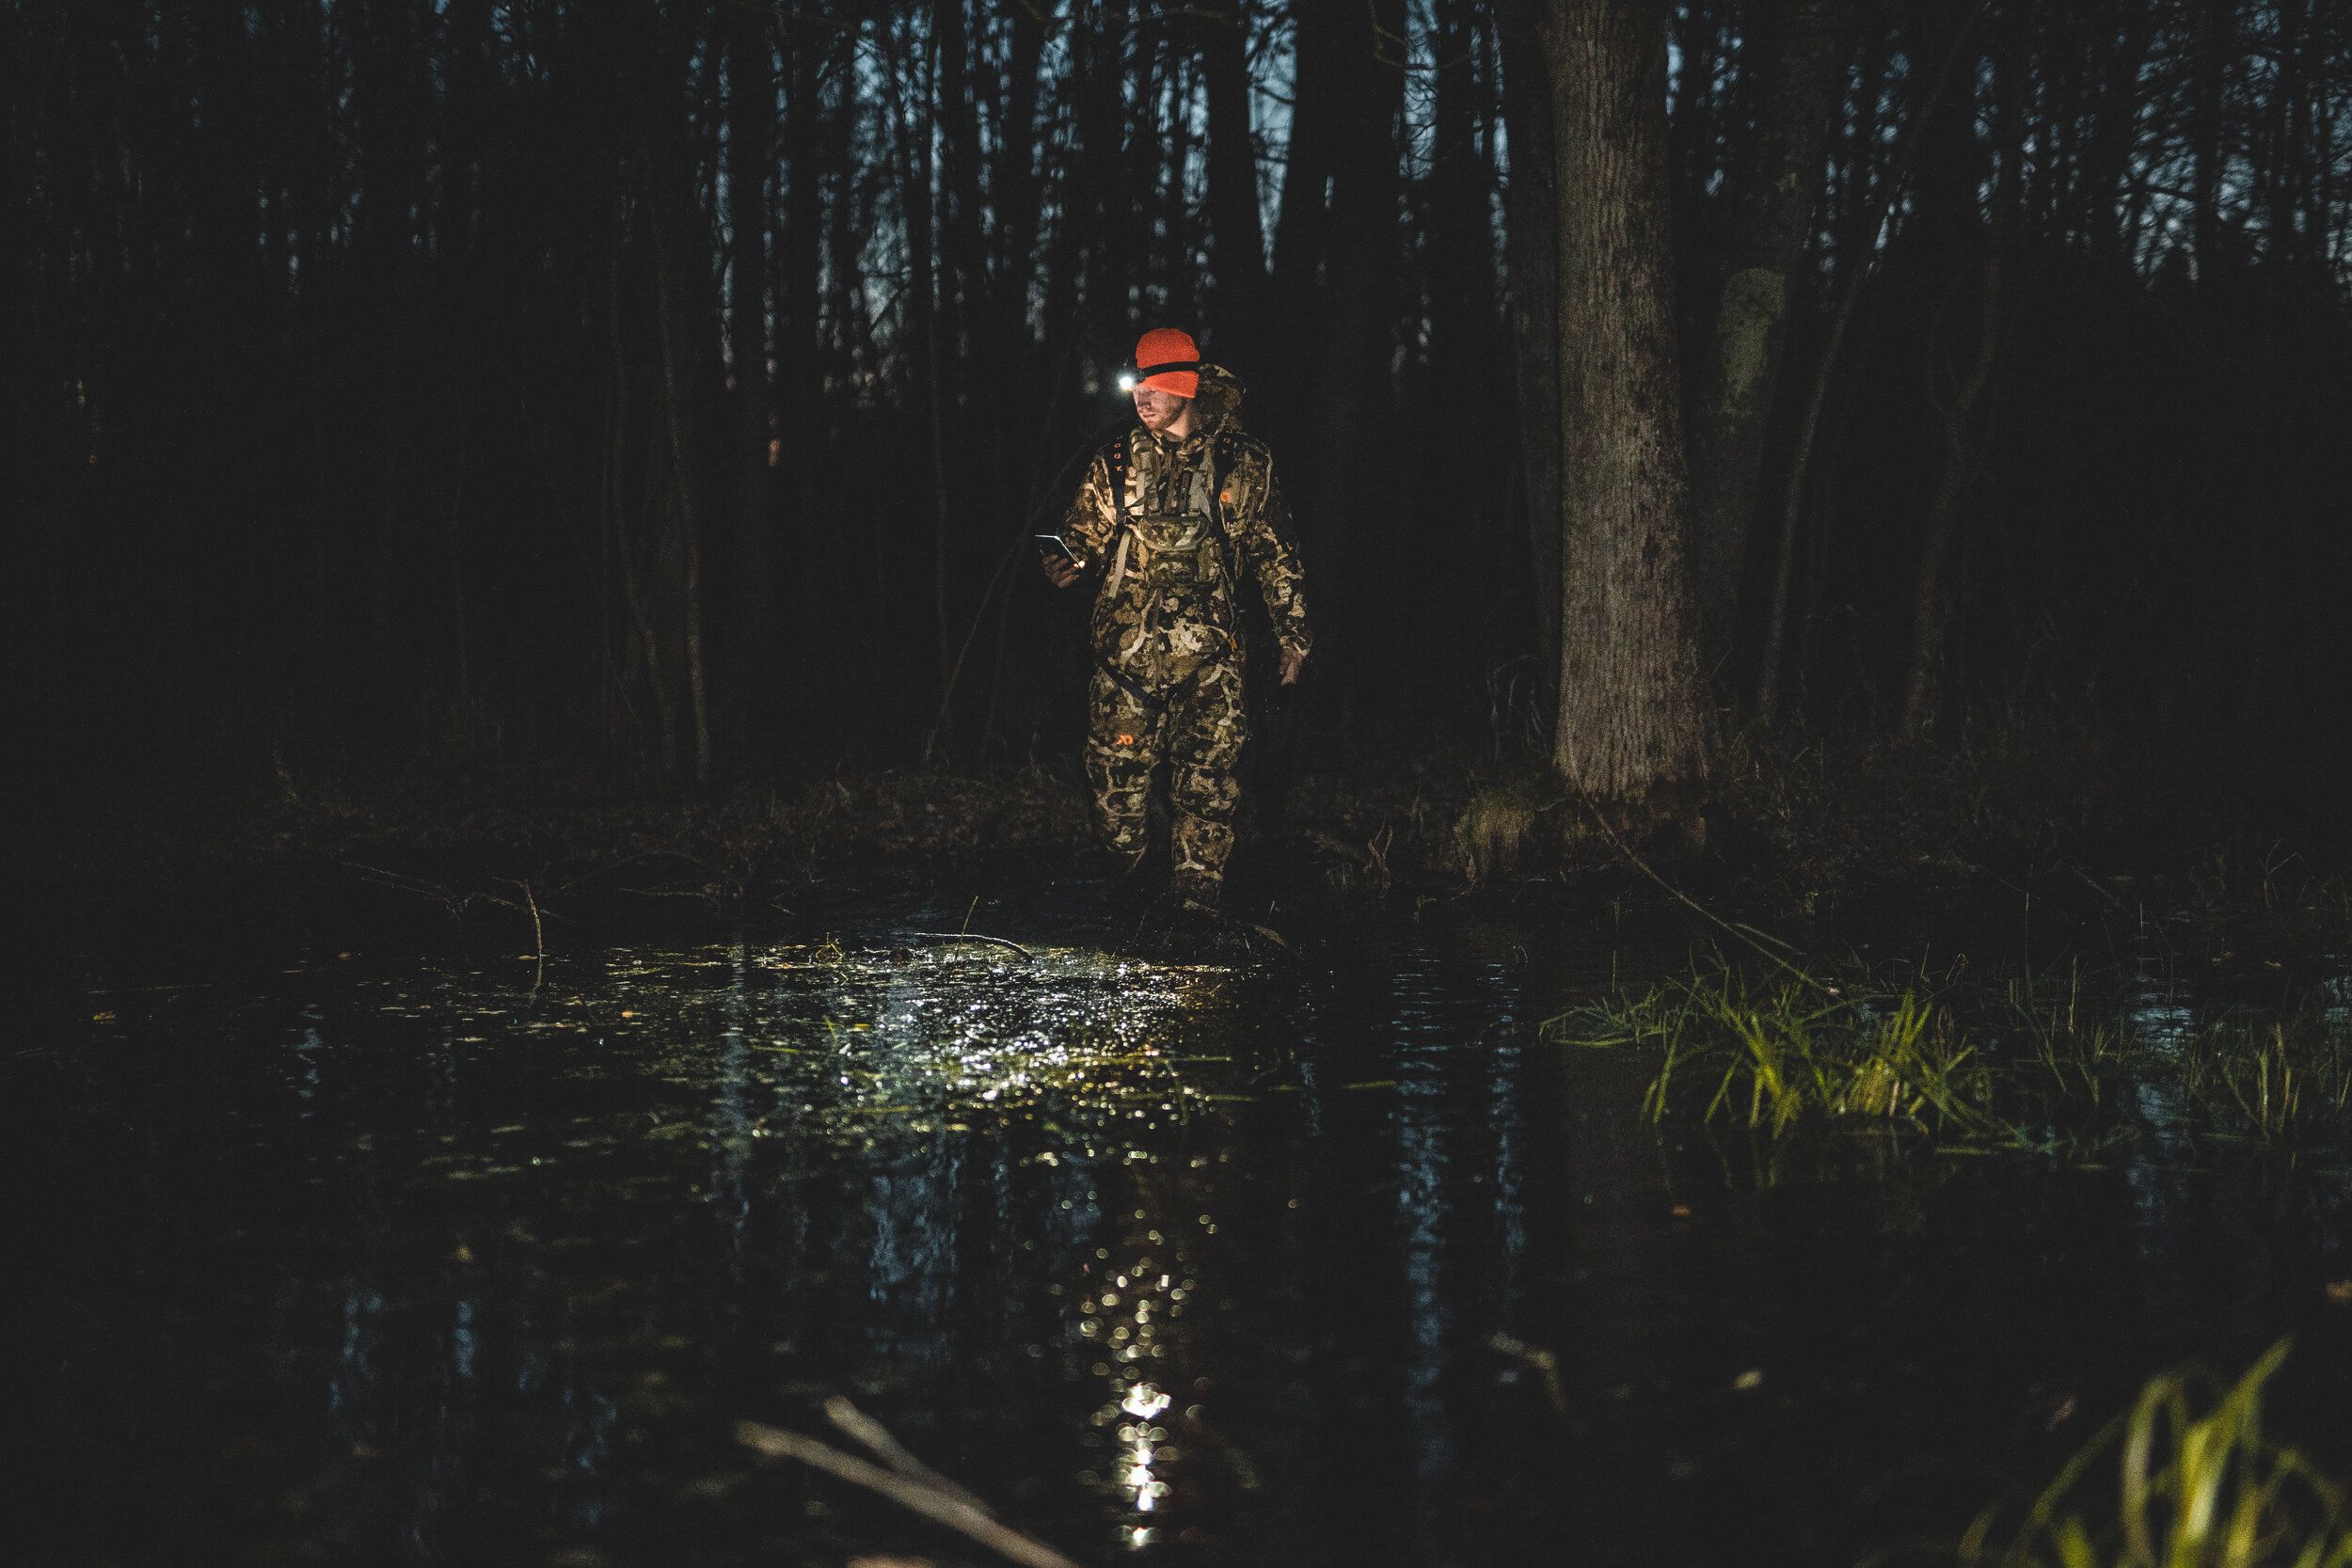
{"x": 1160, "y": 411}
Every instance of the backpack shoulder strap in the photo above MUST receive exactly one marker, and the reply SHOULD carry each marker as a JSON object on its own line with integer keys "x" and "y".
{"x": 1117, "y": 458}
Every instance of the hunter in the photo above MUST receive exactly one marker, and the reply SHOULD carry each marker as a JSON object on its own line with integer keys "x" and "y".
{"x": 1171, "y": 516}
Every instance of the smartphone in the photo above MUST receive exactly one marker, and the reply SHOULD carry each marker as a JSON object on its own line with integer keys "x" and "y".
{"x": 1053, "y": 544}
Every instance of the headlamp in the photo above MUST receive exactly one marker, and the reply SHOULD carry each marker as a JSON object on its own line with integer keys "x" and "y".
{"x": 1133, "y": 376}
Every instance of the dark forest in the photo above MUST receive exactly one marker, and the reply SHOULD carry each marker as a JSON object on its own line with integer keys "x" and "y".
{"x": 626, "y": 911}
{"x": 671, "y": 388}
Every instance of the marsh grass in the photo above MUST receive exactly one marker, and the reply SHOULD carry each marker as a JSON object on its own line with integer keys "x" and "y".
{"x": 2060, "y": 1065}
{"x": 2198, "y": 1485}
{"x": 1774, "y": 1056}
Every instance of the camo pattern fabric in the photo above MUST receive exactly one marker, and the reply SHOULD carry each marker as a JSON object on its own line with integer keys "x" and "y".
{"x": 1197, "y": 729}
{"x": 1165, "y": 565}
{"x": 1157, "y": 626}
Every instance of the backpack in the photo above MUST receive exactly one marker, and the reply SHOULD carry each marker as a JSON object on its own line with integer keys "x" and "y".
{"x": 1176, "y": 549}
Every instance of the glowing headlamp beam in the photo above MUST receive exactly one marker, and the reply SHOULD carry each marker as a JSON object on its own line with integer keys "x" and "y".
{"x": 1133, "y": 377}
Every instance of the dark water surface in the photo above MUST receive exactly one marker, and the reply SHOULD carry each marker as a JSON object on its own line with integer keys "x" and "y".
{"x": 373, "y": 1255}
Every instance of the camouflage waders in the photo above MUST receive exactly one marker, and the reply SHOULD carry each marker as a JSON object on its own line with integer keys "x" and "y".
{"x": 1197, "y": 728}
{"x": 1171, "y": 528}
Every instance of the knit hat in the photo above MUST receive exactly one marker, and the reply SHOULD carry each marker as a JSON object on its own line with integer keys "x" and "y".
{"x": 1167, "y": 360}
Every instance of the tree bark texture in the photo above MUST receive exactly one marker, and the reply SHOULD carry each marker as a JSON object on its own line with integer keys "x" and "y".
{"x": 1800, "y": 52}
{"x": 1632, "y": 720}
{"x": 1531, "y": 240}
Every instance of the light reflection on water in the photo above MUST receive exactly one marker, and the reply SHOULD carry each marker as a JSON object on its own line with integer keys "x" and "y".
{"x": 1179, "y": 1262}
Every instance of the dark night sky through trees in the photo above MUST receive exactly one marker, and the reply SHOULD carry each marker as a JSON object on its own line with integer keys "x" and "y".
{"x": 499, "y": 385}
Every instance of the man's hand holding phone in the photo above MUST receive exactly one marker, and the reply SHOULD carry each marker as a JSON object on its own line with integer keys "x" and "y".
{"x": 1059, "y": 564}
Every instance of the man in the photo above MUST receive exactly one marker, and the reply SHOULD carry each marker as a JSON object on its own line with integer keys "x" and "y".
{"x": 1171, "y": 516}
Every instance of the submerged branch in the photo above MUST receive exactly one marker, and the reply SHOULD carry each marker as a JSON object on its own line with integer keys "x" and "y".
{"x": 876, "y": 1439}
{"x": 944, "y": 1507}
{"x": 972, "y": 936}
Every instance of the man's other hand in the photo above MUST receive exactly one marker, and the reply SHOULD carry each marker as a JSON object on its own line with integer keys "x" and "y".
{"x": 1059, "y": 569}
{"x": 1292, "y": 663}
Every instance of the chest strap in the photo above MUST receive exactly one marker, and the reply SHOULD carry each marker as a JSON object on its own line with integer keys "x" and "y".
{"x": 1224, "y": 453}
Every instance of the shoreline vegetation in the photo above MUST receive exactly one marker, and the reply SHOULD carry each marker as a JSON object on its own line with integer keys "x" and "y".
{"x": 2186, "y": 1477}
{"x": 2067, "y": 1065}
{"x": 2010, "y": 798}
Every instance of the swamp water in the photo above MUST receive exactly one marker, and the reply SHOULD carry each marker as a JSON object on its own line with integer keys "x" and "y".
{"x": 380, "y": 1256}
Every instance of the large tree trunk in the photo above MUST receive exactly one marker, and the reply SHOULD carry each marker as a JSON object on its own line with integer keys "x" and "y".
{"x": 1351, "y": 462}
{"x": 1531, "y": 243}
{"x": 1454, "y": 472}
{"x": 1302, "y": 226}
{"x": 1632, "y": 719}
{"x": 1800, "y": 51}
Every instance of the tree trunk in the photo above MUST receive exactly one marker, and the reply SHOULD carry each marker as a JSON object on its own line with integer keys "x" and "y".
{"x": 1632, "y": 719}
{"x": 1302, "y": 225}
{"x": 681, "y": 476}
{"x": 1453, "y": 469}
{"x": 1236, "y": 235}
{"x": 801, "y": 360}
{"x": 751, "y": 149}
{"x": 2114, "y": 142}
{"x": 1349, "y": 489}
{"x": 1859, "y": 229}
{"x": 1947, "y": 206}
{"x": 2216, "y": 45}
{"x": 1799, "y": 59}
{"x": 1532, "y": 244}
{"x": 918, "y": 198}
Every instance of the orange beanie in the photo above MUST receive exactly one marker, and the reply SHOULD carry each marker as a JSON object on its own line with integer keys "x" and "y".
{"x": 1165, "y": 345}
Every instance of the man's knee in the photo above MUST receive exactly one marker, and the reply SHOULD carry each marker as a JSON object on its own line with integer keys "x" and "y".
{"x": 1208, "y": 791}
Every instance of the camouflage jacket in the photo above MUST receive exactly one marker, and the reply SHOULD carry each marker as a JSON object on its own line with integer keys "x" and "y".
{"x": 1167, "y": 551}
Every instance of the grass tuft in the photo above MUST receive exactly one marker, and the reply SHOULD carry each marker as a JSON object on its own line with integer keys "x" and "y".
{"x": 2040, "y": 1066}
{"x": 2199, "y": 1485}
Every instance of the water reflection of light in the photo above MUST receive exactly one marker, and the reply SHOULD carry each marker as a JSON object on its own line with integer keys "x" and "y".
{"x": 1425, "y": 1051}
{"x": 949, "y": 1039}
{"x": 1073, "y": 1071}
{"x": 2161, "y": 1017}
{"x": 1132, "y": 1316}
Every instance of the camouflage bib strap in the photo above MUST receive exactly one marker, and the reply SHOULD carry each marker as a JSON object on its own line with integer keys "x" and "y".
{"x": 1115, "y": 457}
